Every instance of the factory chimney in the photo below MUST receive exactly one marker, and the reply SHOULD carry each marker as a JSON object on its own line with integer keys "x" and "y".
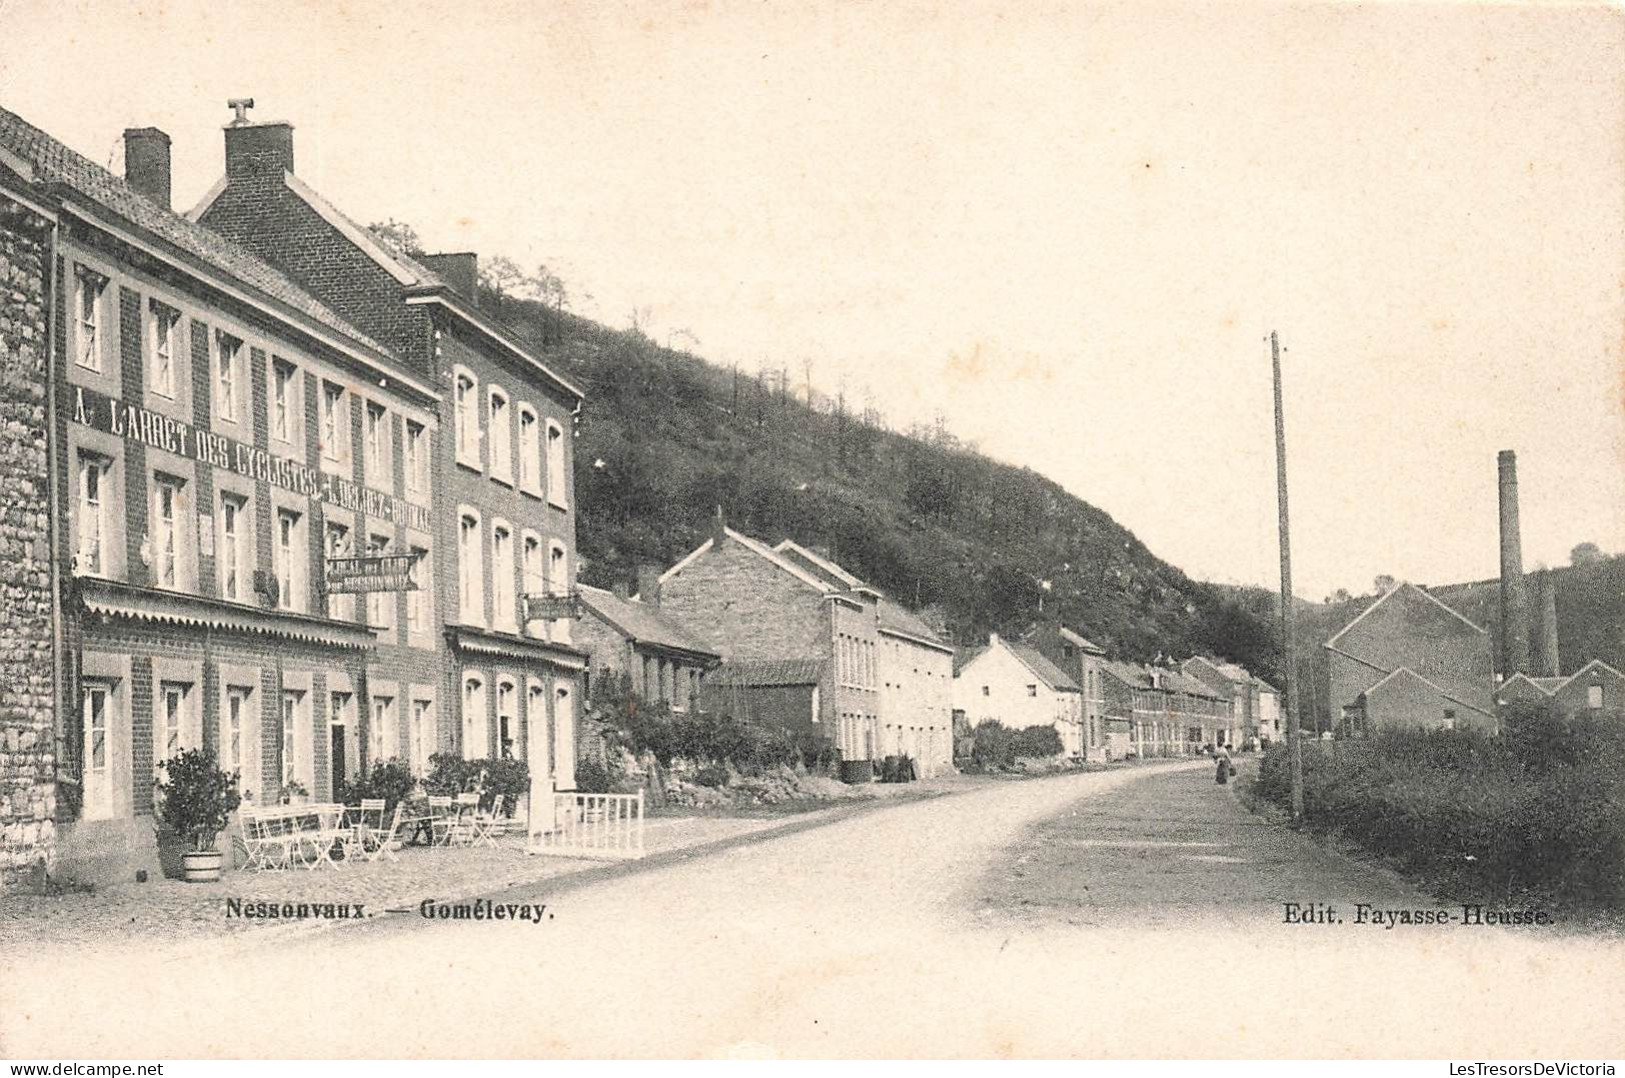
{"x": 1543, "y": 647}
{"x": 1514, "y": 603}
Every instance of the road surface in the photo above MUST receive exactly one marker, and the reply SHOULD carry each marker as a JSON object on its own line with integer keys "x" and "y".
{"x": 956, "y": 926}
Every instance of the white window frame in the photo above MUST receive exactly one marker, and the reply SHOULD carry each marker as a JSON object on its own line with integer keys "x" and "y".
{"x": 383, "y": 742}
{"x": 470, "y": 566}
{"x": 507, "y": 711}
{"x": 292, "y": 709}
{"x": 418, "y": 606}
{"x": 335, "y": 422}
{"x": 466, "y": 417}
{"x": 476, "y": 720}
{"x": 163, "y": 342}
{"x": 234, "y": 546}
{"x": 169, "y": 533}
{"x": 242, "y": 696}
{"x": 99, "y": 802}
{"x": 169, "y": 729}
{"x": 381, "y": 604}
{"x": 90, "y": 326}
{"x": 338, "y": 541}
{"x": 421, "y": 735}
{"x": 558, "y": 583}
{"x": 286, "y": 403}
{"x": 226, "y": 374}
{"x": 533, "y": 571}
{"x": 499, "y": 427}
{"x": 378, "y": 472}
{"x": 93, "y": 556}
{"x": 530, "y": 450}
{"x": 504, "y": 603}
{"x": 290, "y": 562}
{"x": 417, "y": 458}
{"x": 557, "y": 472}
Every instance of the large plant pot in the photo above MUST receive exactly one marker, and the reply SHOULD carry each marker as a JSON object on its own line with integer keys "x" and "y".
{"x": 855, "y": 772}
{"x": 203, "y": 867}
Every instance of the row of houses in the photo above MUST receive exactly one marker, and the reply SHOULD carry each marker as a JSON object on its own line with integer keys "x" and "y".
{"x": 1105, "y": 709}
{"x": 272, "y": 489}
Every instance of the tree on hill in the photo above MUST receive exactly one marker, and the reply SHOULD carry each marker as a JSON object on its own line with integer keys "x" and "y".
{"x": 1586, "y": 554}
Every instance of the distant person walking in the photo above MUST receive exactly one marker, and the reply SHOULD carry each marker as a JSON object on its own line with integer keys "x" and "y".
{"x": 1223, "y": 757}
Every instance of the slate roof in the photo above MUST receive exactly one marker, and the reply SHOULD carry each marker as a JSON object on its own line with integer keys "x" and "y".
{"x": 1078, "y": 641}
{"x": 1264, "y": 686}
{"x": 1046, "y": 671}
{"x": 766, "y": 673}
{"x": 1127, "y": 673}
{"x": 963, "y": 657}
{"x": 54, "y": 163}
{"x": 898, "y": 619}
{"x": 1178, "y": 681}
{"x": 641, "y": 623}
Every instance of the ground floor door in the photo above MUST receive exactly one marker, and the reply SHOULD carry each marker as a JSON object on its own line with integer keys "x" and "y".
{"x": 340, "y": 764}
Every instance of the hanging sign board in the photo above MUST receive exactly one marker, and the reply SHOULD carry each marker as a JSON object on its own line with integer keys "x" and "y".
{"x": 544, "y": 607}
{"x": 371, "y": 572}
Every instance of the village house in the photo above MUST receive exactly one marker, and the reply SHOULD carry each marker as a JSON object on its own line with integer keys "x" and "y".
{"x": 1239, "y": 688}
{"x": 194, "y": 471}
{"x": 498, "y": 456}
{"x": 1410, "y": 660}
{"x": 1159, "y": 711}
{"x": 884, "y": 679}
{"x": 632, "y": 638}
{"x": 1081, "y": 661}
{"x": 1015, "y": 685}
{"x": 1594, "y": 689}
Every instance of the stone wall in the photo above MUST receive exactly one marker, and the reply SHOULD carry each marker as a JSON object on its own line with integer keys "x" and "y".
{"x": 27, "y": 705}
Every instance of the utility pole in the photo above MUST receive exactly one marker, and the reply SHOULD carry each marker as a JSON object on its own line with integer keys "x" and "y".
{"x": 1288, "y": 635}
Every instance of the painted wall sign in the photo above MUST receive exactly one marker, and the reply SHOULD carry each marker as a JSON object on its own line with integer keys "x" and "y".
{"x": 138, "y": 424}
{"x": 371, "y": 572}
{"x": 543, "y": 607}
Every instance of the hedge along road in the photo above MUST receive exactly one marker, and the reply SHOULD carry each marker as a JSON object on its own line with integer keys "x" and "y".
{"x": 901, "y": 931}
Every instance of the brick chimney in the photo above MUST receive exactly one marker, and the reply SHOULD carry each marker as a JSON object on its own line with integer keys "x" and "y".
{"x": 461, "y": 269}
{"x": 1543, "y": 658}
{"x": 719, "y": 532}
{"x": 256, "y": 148}
{"x": 1514, "y": 602}
{"x": 146, "y": 163}
{"x": 649, "y": 584}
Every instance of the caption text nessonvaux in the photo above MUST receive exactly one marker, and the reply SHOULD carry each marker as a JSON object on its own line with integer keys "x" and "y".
{"x": 430, "y": 909}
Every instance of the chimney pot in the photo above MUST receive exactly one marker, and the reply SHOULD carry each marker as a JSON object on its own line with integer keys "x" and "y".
{"x": 146, "y": 163}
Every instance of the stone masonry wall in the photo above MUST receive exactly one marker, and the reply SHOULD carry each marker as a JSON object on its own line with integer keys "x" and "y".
{"x": 27, "y": 708}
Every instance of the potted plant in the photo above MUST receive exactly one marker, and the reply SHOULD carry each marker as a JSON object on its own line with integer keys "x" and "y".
{"x": 294, "y": 793}
{"x": 196, "y": 800}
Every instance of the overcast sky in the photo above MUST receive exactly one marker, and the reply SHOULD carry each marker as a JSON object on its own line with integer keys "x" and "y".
{"x": 1068, "y": 229}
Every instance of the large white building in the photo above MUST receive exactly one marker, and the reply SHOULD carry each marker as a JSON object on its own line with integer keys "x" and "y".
{"x": 1015, "y": 685}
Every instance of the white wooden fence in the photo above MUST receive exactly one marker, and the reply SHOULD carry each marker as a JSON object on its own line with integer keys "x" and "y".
{"x": 606, "y": 826}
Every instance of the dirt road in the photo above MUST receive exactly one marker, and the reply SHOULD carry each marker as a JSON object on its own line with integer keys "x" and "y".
{"x": 893, "y": 932}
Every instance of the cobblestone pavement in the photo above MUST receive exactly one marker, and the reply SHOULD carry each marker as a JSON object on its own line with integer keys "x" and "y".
{"x": 160, "y": 912}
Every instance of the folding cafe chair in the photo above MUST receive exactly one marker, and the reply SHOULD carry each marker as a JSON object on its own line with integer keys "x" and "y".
{"x": 490, "y": 827}
{"x": 442, "y": 815}
{"x": 462, "y": 828}
{"x": 379, "y": 842}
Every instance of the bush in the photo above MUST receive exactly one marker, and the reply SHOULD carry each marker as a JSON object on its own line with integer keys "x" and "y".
{"x": 1037, "y": 741}
{"x": 196, "y": 798}
{"x": 388, "y": 779}
{"x": 592, "y": 777}
{"x": 1537, "y": 811}
{"x": 993, "y": 746}
{"x": 450, "y": 774}
{"x": 714, "y": 775}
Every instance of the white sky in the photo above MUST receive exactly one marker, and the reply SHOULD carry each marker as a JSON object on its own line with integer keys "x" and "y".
{"x": 1069, "y": 229}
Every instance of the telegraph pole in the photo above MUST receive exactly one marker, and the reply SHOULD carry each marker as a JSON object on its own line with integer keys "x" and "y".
{"x": 1288, "y": 635}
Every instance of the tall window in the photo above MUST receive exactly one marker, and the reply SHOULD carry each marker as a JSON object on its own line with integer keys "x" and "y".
{"x": 98, "y": 796}
{"x": 530, "y": 451}
{"x": 232, "y": 730}
{"x": 166, "y": 734}
{"x": 335, "y": 423}
{"x": 417, "y": 458}
{"x": 339, "y": 546}
{"x": 558, "y": 583}
{"x": 535, "y": 573}
{"x": 502, "y": 576}
{"x": 284, "y": 400}
{"x": 165, "y": 331}
{"x": 378, "y": 446}
{"x": 233, "y": 552}
{"x": 227, "y": 367}
{"x": 470, "y": 576}
{"x": 88, "y": 289}
{"x": 476, "y": 731}
{"x": 92, "y": 513}
{"x": 556, "y": 488}
{"x": 501, "y": 436}
{"x": 507, "y": 696}
{"x": 290, "y": 716}
{"x": 380, "y": 604}
{"x": 417, "y": 601}
{"x": 468, "y": 421}
{"x": 289, "y": 560}
{"x": 421, "y": 736}
{"x": 166, "y": 514}
{"x": 384, "y": 742}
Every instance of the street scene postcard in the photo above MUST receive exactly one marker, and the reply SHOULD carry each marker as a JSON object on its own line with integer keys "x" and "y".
{"x": 914, "y": 530}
